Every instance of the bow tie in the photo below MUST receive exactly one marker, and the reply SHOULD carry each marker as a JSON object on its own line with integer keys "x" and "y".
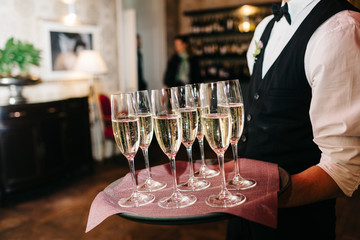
{"x": 281, "y": 11}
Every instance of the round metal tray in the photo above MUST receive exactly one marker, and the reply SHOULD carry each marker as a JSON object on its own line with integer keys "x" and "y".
{"x": 284, "y": 183}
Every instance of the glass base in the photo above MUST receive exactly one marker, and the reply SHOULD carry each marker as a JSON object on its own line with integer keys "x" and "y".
{"x": 177, "y": 200}
{"x": 231, "y": 200}
{"x": 194, "y": 184}
{"x": 205, "y": 172}
{"x": 136, "y": 200}
{"x": 239, "y": 183}
{"x": 150, "y": 185}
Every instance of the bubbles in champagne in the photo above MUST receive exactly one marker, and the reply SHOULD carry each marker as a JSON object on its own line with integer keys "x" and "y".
{"x": 146, "y": 129}
{"x": 236, "y": 111}
{"x": 168, "y": 133}
{"x": 127, "y": 135}
{"x": 189, "y": 120}
{"x": 217, "y": 130}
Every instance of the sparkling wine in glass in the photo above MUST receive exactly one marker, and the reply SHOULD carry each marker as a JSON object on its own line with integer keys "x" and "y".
{"x": 168, "y": 132}
{"x": 127, "y": 136}
{"x": 237, "y": 114}
{"x": 183, "y": 102}
{"x": 144, "y": 113}
{"x": 204, "y": 171}
{"x": 217, "y": 130}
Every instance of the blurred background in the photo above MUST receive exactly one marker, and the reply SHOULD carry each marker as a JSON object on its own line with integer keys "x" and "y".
{"x": 56, "y": 151}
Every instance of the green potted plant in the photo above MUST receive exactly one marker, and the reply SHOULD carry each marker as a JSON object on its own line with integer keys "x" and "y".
{"x": 16, "y": 58}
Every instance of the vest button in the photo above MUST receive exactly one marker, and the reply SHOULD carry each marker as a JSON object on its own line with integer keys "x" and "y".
{"x": 243, "y": 138}
{"x": 248, "y": 117}
{"x": 256, "y": 96}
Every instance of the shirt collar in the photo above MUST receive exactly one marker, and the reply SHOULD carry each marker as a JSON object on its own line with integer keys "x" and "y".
{"x": 296, "y": 7}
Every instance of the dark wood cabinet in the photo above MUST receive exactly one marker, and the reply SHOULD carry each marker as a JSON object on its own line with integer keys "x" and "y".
{"x": 77, "y": 131}
{"x": 42, "y": 142}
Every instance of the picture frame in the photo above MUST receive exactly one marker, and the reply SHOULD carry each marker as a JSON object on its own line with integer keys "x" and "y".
{"x": 61, "y": 46}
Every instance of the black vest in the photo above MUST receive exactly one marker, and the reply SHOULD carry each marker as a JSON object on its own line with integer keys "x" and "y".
{"x": 278, "y": 127}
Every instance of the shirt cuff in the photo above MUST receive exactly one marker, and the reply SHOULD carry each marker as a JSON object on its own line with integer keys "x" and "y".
{"x": 346, "y": 178}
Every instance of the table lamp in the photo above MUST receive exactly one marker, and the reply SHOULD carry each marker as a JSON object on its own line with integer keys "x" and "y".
{"x": 91, "y": 62}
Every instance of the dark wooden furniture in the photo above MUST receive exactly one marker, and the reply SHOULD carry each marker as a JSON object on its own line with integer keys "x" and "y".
{"x": 43, "y": 142}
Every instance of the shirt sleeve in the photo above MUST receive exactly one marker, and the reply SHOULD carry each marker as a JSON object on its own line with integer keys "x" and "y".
{"x": 333, "y": 71}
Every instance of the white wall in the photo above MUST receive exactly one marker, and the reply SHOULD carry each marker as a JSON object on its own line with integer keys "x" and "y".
{"x": 127, "y": 44}
{"x": 151, "y": 25}
{"x": 20, "y": 19}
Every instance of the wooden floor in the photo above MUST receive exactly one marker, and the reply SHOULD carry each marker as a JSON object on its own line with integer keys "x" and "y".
{"x": 61, "y": 213}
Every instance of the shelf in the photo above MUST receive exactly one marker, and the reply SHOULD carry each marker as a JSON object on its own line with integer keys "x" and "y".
{"x": 215, "y": 79}
{"x": 222, "y": 57}
{"x": 220, "y": 39}
{"x": 220, "y": 34}
{"x": 226, "y": 9}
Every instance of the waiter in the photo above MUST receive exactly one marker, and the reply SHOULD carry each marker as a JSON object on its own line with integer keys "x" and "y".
{"x": 303, "y": 113}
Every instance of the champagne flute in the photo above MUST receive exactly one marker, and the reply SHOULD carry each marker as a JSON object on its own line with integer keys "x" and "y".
{"x": 217, "y": 129}
{"x": 204, "y": 171}
{"x": 183, "y": 103}
{"x": 144, "y": 114}
{"x": 168, "y": 132}
{"x": 237, "y": 113}
{"x": 127, "y": 136}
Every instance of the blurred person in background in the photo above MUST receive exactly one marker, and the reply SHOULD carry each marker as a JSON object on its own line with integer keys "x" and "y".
{"x": 182, "y": 68}
{"x": 141, "y": 81}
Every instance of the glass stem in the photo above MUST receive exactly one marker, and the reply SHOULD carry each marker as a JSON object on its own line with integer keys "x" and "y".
{"x": 132, "y": 169}
{"x": 191, "y": 167}
{"x": 147, "y": 164}
{"x": 234, "y": 148}
{"x": 224, "y": 192}
{"x": 173, "y": 171}
{"x": 201, "y": 144}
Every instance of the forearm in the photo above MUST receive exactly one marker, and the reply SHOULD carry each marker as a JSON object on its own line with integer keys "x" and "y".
{"x": 309, "y": 186}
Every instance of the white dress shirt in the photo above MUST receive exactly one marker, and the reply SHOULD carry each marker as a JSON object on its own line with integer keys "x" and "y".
{"x": 332, "y": 67}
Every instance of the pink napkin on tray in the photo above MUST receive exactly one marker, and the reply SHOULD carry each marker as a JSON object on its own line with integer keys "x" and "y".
{"x": 260, "y": 205}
